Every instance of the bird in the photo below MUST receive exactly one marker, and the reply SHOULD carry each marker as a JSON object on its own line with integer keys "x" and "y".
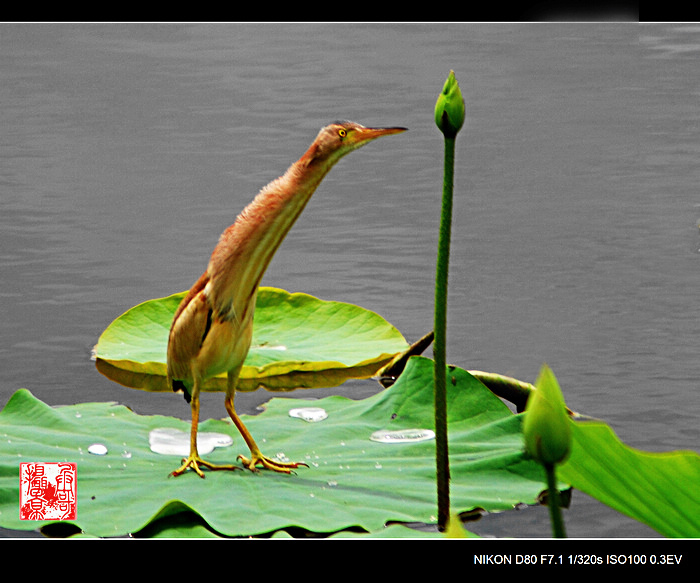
{"x": 212, "y": 327}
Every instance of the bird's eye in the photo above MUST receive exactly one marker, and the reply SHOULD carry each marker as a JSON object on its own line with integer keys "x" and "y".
{"x": 342, "y": 133}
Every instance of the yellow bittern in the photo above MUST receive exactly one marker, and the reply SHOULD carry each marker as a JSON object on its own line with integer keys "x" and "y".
{"x": 213, "y": 326}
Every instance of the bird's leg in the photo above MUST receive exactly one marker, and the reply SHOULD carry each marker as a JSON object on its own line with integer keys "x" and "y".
{"x": 256, "y": 457}
{"x": 194, "y": 461}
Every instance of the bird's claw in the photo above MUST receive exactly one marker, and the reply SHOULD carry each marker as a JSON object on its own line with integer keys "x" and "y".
{"x": 270, "y": 464}
{"x": 194, "y": 462}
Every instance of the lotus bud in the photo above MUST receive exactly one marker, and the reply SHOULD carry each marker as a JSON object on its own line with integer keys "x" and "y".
{"x": 547, "y": 426}
{"x": 449, "y": 109}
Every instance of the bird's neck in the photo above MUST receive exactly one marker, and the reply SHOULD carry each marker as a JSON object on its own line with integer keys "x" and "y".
{"x": 266, "y": 221}
{"x": 247, "y": 247}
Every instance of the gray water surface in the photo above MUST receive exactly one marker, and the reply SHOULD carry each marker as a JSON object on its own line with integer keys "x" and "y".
{"x": 125, "y": 150}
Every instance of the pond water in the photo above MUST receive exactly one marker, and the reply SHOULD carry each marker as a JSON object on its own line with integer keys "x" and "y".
{"x": 126, "y": 149}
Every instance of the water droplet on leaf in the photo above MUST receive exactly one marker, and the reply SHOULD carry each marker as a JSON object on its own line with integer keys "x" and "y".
{"x": 169, "y": 441}
{"x": 402, "y": 435}
{"x": 310, "y": 414}
{"x": 97, "y": 449}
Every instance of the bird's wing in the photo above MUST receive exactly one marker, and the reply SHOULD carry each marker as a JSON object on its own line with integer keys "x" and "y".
{"x": 190, "y": 327}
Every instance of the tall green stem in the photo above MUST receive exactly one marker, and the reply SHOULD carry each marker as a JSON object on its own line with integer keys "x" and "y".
{"x": 439, "y": 350}
{"x": 553, "y": 502}
{"x": 449, "y": 118}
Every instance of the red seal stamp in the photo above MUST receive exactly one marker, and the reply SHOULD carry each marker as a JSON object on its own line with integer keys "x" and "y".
{"x": 47, "y": 491}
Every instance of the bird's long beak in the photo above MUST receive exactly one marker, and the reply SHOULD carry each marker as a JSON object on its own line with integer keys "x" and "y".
{"x": 367, "y": 134}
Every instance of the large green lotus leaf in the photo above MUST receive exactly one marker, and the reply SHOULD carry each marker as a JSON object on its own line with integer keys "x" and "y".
{"x": 661, "y": 490}
{"x": 352, "y": 481}
{"x": 298, "y": 341}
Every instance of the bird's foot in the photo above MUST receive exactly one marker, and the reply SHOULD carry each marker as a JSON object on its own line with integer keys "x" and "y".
{"x": 194, "y": 462}
{"x": 269, "y": 463}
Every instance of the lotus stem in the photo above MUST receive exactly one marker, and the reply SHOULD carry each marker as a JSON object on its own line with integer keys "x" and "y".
{"x": 439, "y": 348}
{"x": 555, "y": 516}
{"x": 449, "y": 118}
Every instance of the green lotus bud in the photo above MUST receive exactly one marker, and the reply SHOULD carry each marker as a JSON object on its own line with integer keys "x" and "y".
{"x": 547, "y": 426}
{"x": 449, "y": 109}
